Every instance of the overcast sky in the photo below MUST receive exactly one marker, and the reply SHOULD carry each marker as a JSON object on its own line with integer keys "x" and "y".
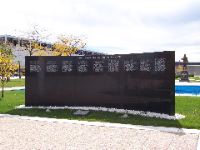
{"x": 112, "y": 26}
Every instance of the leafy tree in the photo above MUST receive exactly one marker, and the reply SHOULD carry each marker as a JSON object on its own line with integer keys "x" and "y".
{"x": 7, "y": 67}
{"x": 33, "y": 42}
{"x": 67, "y": 45}
{"x": 179, "y": 68}
{"x": 5, "y": 49}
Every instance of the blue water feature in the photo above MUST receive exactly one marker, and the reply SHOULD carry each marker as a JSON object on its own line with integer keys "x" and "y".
{"x": 187, "y": 89}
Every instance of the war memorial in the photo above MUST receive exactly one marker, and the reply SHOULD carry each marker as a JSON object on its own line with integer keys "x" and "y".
{"x": 131, "y": 81}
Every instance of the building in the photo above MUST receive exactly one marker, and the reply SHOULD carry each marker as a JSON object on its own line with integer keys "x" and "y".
{"x": 192, "y": 67}
{"x": 17, "y": 44}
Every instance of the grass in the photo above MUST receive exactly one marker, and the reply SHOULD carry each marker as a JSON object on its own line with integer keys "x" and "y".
{"x": 15, "y": 83}
{"x": 196, "y": 78}
{"x": 188, "y": 106}
{"x": 192, "y": 79}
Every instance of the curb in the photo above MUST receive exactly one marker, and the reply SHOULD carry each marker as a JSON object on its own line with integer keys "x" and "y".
{"x": 106, "y": 124}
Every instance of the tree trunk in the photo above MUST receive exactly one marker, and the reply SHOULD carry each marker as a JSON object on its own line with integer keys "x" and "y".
{"x": 30, "y": 50}
{"x": 2, "y": 90}
{"x": 19, "y": 70}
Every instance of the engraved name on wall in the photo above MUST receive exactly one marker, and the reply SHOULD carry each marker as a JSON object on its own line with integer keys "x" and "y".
{"x": 98, "y": 64}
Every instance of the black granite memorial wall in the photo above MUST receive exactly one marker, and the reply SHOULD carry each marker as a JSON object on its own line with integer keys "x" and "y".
{"x": 134, "y": 81}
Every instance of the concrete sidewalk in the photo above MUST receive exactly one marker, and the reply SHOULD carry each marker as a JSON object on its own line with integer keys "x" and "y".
{"x": 45, "y": 133}
{"x": 14, "y": 88}
{"x": 13, "y": 78}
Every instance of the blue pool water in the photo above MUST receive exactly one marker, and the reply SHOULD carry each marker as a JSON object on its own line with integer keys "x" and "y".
{"x": 187, "y": 89}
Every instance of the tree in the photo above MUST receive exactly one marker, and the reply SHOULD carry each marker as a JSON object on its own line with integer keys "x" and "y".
{"x": 7, "y": 67}
{"x": 67, "y": 45}
{"x": 179, "y": 68}
{"x": 5, "y": 49}
{"x": 31, "y": 47}
{"x": 33, "y": 41}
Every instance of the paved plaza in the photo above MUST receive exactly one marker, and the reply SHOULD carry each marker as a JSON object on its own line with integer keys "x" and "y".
{"x": 38, "y": 133}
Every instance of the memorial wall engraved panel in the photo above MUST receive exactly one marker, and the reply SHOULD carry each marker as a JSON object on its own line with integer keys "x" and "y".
{"x": 67, "y": 66}
{"x": 131, "y": 81}
{"x": 35, "y": 66}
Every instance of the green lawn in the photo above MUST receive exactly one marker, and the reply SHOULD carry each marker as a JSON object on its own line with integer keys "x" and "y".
{"x": 192, "y": 79}
{"x": 195, "y": 77}
{"x": 188, "y": 106}
{"x": 15, "y": 83}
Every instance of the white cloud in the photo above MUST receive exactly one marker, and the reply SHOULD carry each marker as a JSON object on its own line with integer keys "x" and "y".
{"x": 113, "y": 26}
